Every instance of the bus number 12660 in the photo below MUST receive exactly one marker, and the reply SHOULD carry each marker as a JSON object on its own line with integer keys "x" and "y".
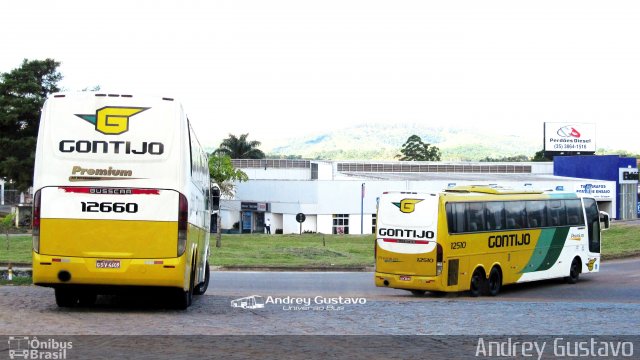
{"x": 106, "y": 207}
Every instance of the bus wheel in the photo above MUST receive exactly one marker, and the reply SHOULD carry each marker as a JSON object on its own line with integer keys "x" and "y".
{"x": 418, "y": 292}
{"x": 185, "y": 298}
{"x": 574, "y": 271}
{"x": 477, "y": 283}
{"x": 87, "y": 298}
{"x": 66, "y": 297}
{"x": 202, "y": 288}
{"x": 495, "y": 281}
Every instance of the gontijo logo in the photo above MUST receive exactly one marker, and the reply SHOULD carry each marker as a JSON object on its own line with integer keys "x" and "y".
{"x": 112, "y": 120}
{"x": 568, "y": 131}
{"x": 407, "y": 205}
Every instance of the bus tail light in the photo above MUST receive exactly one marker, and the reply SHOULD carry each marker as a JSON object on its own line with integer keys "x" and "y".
{"x": 183, "y": 221}
{"x": 35, "y": 225}
{"x": 439, "y": 260}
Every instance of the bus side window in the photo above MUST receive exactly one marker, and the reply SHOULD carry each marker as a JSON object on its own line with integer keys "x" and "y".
{"x": 556, "y": 212}
{"x": 495, "y": 215}
{"x": 574, "y": 212}
{"x": 475, "y": 217}
{"x": 515, "y": 214}
{"x": 455, "y": 217}
{"x": 536, "y": 214}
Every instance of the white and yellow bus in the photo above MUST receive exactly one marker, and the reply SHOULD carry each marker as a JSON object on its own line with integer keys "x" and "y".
{"x": 122, "y": 198}
{"x": 479, "y": 238}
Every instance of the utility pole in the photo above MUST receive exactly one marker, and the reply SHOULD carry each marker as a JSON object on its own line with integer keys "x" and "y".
{"x": 362, "y": 210}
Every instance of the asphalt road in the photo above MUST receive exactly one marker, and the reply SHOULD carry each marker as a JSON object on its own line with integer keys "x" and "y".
{"x": 618, "y": 281}
{"x": 604, "y": 303}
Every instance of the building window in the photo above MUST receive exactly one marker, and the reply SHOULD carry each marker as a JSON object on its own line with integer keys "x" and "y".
{"x": 373, "y": 223}
{"x": 314, "y": 171}
{"x": 340, "y": 223}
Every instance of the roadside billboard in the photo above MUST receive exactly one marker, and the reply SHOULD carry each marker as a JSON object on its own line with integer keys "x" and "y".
{"x": 569, "y": 137}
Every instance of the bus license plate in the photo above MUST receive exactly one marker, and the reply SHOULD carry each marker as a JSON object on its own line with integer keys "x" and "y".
{"x": 405, "y": 278}
{"x": 108, "y": 264}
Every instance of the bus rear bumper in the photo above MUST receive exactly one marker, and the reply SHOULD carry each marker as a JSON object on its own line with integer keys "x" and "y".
{"x": 408, "y": 282}
{"x": 58, "y": 271}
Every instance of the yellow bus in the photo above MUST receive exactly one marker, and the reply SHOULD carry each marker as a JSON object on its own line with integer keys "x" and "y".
{"x": 479, "y": 238}
{"x": 122, "y": 199}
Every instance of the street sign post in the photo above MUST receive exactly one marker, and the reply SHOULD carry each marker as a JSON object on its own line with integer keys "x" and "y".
{"x": 300, "y": 218}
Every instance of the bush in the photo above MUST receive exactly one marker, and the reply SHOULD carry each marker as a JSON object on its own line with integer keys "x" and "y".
{"x": 278, "y": 231}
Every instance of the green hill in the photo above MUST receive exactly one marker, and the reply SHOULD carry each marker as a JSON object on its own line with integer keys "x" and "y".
{"x": 383, "y": 142}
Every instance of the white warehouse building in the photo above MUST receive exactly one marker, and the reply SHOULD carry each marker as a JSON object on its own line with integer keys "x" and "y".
{"x": 340, "y": 196}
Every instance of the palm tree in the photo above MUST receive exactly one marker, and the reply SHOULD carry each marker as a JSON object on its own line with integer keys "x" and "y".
{"x": 240, "y": 148}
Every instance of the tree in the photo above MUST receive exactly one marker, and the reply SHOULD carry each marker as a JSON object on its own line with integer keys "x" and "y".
{"x": 414, "y": 149}
{"x": 223, "y": 173}
{"x": 6, "y": 224}
{"x": 540, "y": 156}
{"x": 240, "y": 148}
{"x": 23, "y": 91}
{"x": 516, "y": 158}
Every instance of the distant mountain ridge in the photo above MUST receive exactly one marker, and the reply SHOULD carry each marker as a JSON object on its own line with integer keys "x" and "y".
{"x": 383, "y": 142}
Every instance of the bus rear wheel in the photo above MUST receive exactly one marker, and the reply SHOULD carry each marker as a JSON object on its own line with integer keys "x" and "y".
{"x": 66, "y": 297}
{"x": 477, "y": 282}
{"x": 87, "y": 298}
{"x": 202, "y": 288}
{"x": 185, "y": 298}
{"x": 574, "y": 271}
{"x": 495, "y": 282}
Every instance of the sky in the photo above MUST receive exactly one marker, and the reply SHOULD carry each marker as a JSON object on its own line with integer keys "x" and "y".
{"x": 281, "y": 69}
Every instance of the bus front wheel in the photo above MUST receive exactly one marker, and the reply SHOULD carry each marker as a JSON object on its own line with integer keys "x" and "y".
{"x": 574, "y": 271}
{"x": 477, "y": 282}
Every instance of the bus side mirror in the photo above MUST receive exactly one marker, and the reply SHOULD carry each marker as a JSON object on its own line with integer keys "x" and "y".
{"x": 604, "y": 220}
{"x": 215, "y": 198}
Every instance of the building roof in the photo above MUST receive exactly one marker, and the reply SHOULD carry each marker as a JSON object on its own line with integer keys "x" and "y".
{"x": 480, "y": 177}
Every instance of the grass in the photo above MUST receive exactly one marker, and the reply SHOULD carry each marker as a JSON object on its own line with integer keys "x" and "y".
{"x": 17, "y": 280}
{"x": 307, "y": 250}
{"x": 621, "y": 240}
{"x": 293, "y": 250}
{"x": 19, "y": 249}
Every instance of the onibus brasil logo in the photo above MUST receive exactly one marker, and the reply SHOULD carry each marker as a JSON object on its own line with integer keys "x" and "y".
{"x": 26, "y": 347}
{"x": 407, "y": 205}
{"x": 112, "y": 120}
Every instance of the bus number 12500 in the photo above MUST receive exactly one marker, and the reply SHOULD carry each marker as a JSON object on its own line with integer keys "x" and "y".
{"x": 117, "y": 207}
